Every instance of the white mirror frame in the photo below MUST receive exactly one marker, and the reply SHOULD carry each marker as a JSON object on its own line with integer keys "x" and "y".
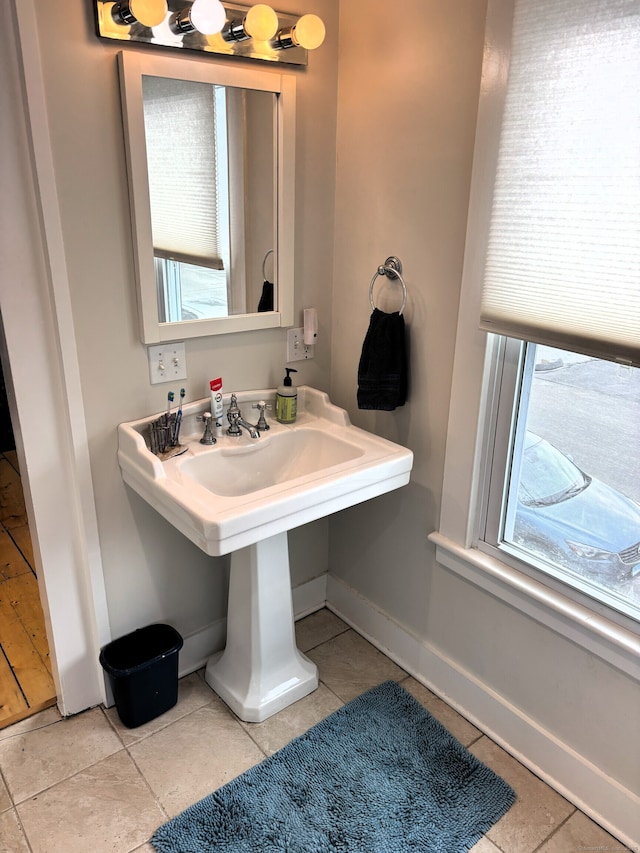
{"x": 132, "y": 68}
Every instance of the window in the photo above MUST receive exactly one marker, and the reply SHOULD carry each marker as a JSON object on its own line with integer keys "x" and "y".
{"x": 544, "y": 418}
{"x": 189, "y": 292}
{"x": 562, "y": 267}
{"x": 563, "y": 496}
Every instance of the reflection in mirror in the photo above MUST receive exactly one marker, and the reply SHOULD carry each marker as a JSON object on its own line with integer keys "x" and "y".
{"x": 210, "y": 157}
{"x": 208, "y": 245}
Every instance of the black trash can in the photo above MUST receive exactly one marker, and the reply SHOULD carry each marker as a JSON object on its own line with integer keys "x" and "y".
{"x": 143, "y": 671}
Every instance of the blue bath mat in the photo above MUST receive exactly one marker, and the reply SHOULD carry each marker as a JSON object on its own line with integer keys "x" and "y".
{"x": 380, "y": 775}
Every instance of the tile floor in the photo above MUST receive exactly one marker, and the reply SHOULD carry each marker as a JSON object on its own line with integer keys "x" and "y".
{"x": 87, "y": 784}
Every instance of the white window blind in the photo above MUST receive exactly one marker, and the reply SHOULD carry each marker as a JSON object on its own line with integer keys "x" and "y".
{"x": 182, "y": 158}
{"x": 563, "y": 260}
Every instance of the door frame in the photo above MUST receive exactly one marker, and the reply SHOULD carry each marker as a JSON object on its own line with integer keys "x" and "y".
{"x": 40, "y": 362}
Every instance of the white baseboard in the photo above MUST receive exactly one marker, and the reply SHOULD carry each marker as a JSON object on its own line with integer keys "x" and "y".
{"x": 309, "y": 597}
{"x": 612, "y": 806}
{"x": 200, "y": 645}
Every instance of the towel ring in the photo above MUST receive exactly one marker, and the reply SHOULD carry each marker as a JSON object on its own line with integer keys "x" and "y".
{"x": 392, "y": 268}
{"x": 264, "y": 264}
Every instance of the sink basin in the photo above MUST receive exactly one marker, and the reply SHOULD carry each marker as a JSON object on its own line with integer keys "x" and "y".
{"x": 282, "y": 458}
{"x": 236, "y": 492}
{"x": 241, "y": 496}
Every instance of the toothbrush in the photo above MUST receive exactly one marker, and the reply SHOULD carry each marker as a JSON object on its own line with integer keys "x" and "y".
{"x": 170, "y": 398}
{"x": 176, "y": 428}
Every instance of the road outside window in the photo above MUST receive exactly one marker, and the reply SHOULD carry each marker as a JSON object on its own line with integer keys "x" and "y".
{"x": 573, "y": 496}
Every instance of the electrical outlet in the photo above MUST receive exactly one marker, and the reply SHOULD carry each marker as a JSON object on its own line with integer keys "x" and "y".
{"x": 297, "y": 350}
{"x": 167, "y": 362}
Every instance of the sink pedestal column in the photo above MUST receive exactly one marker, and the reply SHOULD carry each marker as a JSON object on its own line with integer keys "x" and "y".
{"x": 261, "y": 671}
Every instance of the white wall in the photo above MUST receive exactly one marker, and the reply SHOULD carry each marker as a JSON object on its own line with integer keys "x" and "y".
{"x": 151, "y": 572}
{"x": 407, "y": 102}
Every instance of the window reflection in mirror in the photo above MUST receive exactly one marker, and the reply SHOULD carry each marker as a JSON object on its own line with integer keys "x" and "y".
{"x": 209, "y": 149}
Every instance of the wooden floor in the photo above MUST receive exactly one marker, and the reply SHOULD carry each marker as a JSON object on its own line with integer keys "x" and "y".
{"x": 26, "y": 685}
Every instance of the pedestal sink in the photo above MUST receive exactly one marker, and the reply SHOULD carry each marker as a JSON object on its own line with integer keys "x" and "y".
{"x": 241, "y": 496}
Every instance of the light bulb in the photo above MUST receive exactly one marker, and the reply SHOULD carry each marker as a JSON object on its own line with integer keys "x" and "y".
{"x": 207, "y": 16}
{"x": 261, "y": 22}
{"x": 309, "y": 32}
{"x": 149, "y": 13}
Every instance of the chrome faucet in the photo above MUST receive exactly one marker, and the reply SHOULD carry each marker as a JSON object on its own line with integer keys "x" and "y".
{"x": 234, "y": 416}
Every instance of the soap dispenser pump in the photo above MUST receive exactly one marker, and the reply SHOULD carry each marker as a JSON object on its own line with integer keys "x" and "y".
{"x": 287, "y": 399}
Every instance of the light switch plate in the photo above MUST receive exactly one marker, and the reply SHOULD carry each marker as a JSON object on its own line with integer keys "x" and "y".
{"x": 167, "y": 362}
{"x": 297, "y": 350}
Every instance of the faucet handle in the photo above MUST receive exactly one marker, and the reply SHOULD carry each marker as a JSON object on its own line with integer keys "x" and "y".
{"x": 262, "y": 423}
{"x": 208, "y": 437}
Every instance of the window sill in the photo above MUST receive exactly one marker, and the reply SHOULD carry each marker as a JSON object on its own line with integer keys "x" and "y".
{"x": 614, "y": 644}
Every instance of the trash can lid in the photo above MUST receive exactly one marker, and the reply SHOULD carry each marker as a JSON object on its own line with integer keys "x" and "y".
{"x": 140, "y": 649}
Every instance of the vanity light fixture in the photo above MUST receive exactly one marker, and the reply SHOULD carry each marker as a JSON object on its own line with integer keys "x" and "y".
{"x": 308, "y": 32}
{"x": 260, "y": 23}
{"x": 149, "y": 13}
{"x": 212, "y": 26}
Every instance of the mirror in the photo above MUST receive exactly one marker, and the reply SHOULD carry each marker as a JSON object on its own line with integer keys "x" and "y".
{"x": 210, "y": 159}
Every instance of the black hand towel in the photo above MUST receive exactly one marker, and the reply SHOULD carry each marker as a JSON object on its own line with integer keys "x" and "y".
{"x": 266, "y": 299}
{"x": 383, "y": 368}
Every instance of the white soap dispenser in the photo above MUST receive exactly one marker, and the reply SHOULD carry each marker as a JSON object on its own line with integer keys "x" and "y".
{"x": 287, "y": 399}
